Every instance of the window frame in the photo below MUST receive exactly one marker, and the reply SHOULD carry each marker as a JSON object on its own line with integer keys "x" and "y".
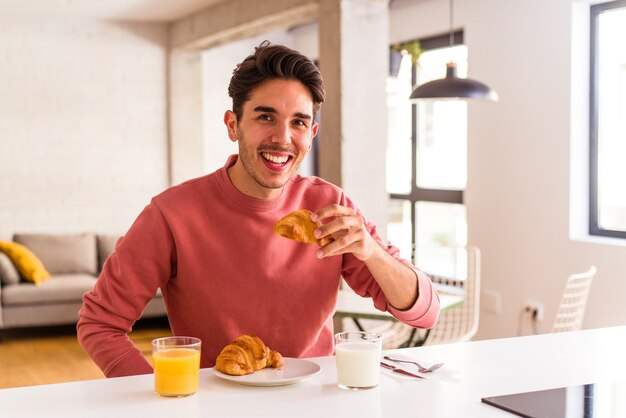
{"x": 594, "y": 225}
{"x": 419, "y": 194}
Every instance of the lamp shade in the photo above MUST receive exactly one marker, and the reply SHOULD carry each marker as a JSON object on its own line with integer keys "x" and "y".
{"x": 453, "y": 87}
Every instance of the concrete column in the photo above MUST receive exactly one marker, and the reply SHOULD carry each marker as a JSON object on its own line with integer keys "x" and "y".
{"x": 186, "y": 118}
{"x": 354, "y": 51}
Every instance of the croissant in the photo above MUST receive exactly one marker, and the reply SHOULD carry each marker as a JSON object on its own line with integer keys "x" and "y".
{"x": 245, "y": 355}
{"x": 298, "y": 226}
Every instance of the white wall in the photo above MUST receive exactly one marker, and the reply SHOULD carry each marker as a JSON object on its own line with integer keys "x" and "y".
{"x": 519, "y": 171}
{"x": 83, "y": 134}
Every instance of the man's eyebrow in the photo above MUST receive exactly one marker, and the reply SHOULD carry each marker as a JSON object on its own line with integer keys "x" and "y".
{"x": 269, "y": 109}
{"x": 303, "y": 116}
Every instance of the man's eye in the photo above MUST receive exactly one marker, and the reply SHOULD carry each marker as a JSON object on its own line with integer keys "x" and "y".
{"x": 265, "y": 117}
{"x": 300, "y": 123}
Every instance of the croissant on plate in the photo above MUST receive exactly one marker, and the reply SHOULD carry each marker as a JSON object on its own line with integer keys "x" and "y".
{"x": 247, "y": 354}
{"x": 298, "y": 226}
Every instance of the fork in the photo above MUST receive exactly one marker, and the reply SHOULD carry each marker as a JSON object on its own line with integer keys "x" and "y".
{"x": 421, "y": 368}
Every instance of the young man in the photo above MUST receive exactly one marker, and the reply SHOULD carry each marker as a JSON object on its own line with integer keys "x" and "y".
{"x": 209, "y": 243}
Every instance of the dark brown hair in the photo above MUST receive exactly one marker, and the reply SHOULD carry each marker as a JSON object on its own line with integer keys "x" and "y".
{"x": 271, "y": 62}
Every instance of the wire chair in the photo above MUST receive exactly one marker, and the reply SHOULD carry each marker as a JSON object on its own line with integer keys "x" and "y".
{"x": 460, "y": 323}
{"x": 454, "y": 325}
{"x": 571, "y": 311}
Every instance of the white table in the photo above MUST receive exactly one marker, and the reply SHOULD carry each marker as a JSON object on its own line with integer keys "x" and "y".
{"x": 349, "y": 304}
{"x": 472, "y": 370}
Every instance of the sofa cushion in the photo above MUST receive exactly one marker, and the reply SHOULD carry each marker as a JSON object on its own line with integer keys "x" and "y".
{"x": 60, "y": 288}
{"x": 106, "y": 245}
{"x": 26, "y": 262}
{"x": 63, "y": 253}
{"x": 8, "y": 272}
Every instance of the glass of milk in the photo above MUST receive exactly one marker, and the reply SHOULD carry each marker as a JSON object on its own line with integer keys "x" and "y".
{"x": 358, "y": 355}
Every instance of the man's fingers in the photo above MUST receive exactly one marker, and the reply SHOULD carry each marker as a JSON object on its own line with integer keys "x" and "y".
{"x": 340, "y": 245}
{"x": 339, "y": 226}
{"x": 331, "y": 210}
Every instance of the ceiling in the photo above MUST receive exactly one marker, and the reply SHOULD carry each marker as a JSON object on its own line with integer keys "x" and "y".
{"x": 133, "y": 10}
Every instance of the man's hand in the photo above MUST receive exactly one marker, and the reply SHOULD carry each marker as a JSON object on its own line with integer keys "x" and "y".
{"x": 397, "y": 281}
{"x": 348, "y": 232}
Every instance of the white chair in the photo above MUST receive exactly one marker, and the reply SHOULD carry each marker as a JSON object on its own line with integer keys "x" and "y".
{"x": 456, "y": 324}
{"x": 571, "y": 311}
{"x": 460, "y": 323}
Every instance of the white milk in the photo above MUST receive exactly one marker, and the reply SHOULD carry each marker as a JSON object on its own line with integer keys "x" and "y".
{"x": 358, "y": 364}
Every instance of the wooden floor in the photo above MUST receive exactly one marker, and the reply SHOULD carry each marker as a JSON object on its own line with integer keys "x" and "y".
{"x": 52, "y": 355}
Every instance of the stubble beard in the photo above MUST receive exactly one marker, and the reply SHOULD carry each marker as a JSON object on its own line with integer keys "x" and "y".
{"x": 247, "y": 159}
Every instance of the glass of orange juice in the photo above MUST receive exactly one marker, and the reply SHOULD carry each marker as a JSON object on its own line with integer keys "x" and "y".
{"x": 176, "y": 362}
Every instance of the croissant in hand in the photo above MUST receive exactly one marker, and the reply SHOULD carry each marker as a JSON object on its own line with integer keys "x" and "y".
{"x": 245, "y": 355}
{"x": 298, "y": 226}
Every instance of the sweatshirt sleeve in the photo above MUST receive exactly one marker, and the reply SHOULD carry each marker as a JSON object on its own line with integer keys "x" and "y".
{"x": 424, "y": 312}
{"x": 142, "y": 262}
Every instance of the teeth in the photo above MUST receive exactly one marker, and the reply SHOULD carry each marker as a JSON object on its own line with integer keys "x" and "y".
{"x": 275, "y": 159}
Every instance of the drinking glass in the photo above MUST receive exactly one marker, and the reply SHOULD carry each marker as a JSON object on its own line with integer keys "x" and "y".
{"x": 176, "y": 362}
{"x": 358, "y": 355}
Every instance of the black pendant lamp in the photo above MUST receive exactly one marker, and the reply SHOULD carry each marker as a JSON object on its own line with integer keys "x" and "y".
{"x": 453, "y": 87}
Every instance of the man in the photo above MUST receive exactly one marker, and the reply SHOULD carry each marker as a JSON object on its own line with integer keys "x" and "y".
{"x": 209, "y": 244}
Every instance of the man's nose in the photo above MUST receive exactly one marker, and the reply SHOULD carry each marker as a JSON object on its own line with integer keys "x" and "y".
{"x": 282, "y": 134}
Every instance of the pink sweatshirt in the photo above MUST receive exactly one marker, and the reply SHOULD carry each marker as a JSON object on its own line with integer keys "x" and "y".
{"x": 224, "y": 272}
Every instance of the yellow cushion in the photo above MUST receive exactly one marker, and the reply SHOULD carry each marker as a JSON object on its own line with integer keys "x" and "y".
{"x": 27, "y": 263}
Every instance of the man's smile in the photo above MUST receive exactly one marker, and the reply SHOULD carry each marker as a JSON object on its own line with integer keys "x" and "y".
{"x": 276, "y": 161}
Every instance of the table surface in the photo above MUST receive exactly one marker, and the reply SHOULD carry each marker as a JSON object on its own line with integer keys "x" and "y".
{"x": 349, "y": 304}
{"x": 472, "y": 370}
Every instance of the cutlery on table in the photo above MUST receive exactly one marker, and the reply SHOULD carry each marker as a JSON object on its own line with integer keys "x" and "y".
{"x": 421, "y": 368}
{"x": 399, "y": 370}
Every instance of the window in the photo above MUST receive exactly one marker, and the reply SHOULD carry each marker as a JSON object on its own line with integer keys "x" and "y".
{"x": 427, "y": 162}
{"x": 607, "y": 208}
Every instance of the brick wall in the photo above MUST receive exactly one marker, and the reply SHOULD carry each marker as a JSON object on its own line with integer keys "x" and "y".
{"x": 83, "y": 127}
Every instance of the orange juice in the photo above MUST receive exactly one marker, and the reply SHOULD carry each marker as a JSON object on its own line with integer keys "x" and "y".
{"x": 176, "y": 371}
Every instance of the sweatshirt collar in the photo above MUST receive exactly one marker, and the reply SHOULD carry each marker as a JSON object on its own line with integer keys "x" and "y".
{"x": 243, "y": 199}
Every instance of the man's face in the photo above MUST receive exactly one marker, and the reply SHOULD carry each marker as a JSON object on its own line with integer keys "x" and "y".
{"x": 274, "y": 134}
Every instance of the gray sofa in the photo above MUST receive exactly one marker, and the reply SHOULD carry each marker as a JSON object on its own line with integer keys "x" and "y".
{"x": 74, "y": 262}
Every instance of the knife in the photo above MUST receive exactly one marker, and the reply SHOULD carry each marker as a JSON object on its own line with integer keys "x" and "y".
{"x": 399, "y": 370}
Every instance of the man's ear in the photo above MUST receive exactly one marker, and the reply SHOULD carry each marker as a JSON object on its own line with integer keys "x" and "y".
{"x": 314, "y": 133}
{"x": 230, "y": 120}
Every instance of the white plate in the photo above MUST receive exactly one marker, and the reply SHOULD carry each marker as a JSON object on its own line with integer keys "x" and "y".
{"x": 294, "y": 370}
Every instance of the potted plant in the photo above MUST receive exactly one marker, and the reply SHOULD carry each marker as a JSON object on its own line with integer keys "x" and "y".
{"x": 413, "y": 48}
